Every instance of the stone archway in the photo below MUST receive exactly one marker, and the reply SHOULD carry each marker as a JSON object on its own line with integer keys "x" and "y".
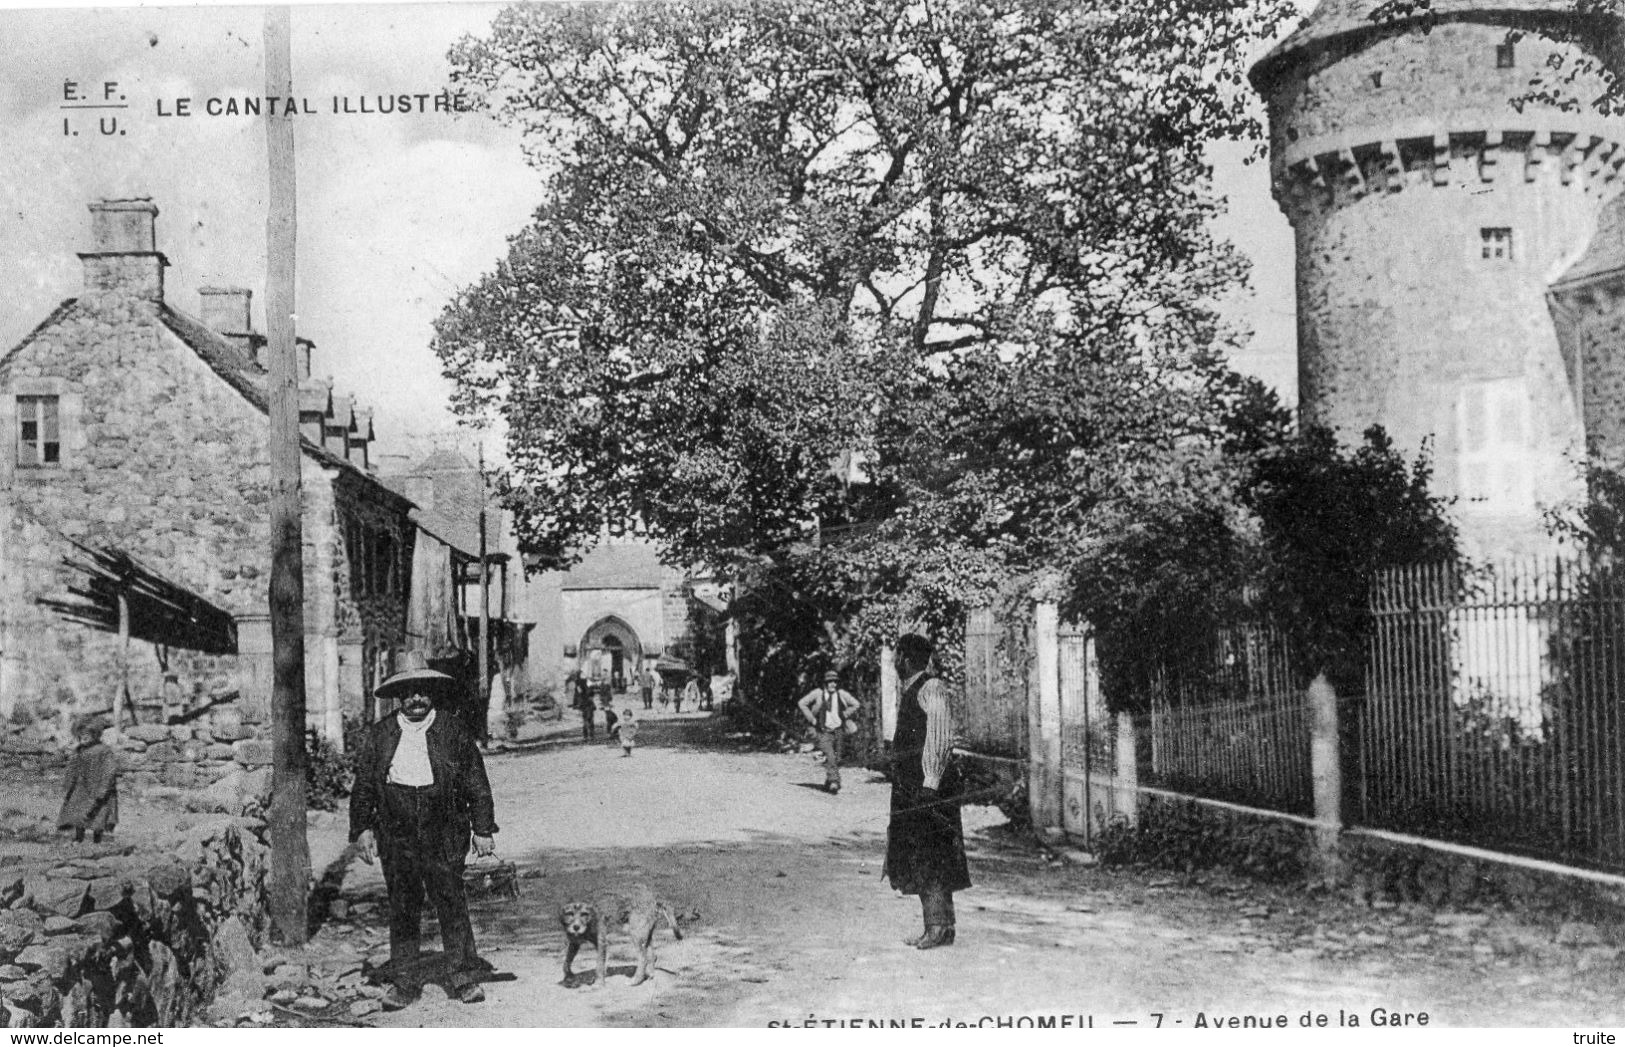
{"x": 610, "y": 651}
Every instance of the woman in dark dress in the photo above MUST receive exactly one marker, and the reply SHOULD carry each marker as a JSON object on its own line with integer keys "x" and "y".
{"x": 925, "y": 841}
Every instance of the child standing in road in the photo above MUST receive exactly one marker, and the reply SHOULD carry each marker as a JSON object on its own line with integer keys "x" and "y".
{"x": 90, "y": 800}
{"x": 627, "y": 728}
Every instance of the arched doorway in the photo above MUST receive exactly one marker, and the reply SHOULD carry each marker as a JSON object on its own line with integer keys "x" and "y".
{"x": 611, "y": 653}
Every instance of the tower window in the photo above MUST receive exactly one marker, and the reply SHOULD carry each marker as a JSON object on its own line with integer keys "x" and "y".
{"x": 1496, "y": 243}
{"x": 1376, "y": 78}
{"x": 1505, "y": 57}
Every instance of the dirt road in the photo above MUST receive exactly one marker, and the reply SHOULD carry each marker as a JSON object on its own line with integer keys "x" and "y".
{"x": 795, "y": 923}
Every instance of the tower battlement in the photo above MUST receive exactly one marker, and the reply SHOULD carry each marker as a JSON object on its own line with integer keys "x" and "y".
{"x": 1327, "y": 173}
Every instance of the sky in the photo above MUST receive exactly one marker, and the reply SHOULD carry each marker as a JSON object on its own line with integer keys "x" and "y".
{"x": 395, "y": 213}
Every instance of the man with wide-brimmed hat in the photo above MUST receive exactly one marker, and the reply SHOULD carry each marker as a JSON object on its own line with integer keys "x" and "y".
{"x": 832, "y": 713}
{"x": 421, "y": 796}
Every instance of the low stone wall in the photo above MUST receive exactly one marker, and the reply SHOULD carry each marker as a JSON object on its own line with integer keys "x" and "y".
{"x": 165, "y": 934}
{"x": 220, "y": 764}
{"x": 184, "y": 756}
{"x": 1186, "y": 836}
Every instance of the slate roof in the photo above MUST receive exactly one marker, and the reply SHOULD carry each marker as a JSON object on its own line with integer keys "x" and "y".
{"x": 444, "y": 460}
{"x": 1338, "y": 20}
{"x": 454, "y": 513}
{"x": 343, "y": 418}
{"x": 315, "y": 397}
{"x": 456, "y": 533}
{"x": 241, "y": 373}
{"x": 1606, "y": 252}
{"x": 56, "y": 314}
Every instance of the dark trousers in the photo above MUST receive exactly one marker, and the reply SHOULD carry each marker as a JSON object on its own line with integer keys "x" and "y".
{"x": 648, "y": 698}
{"x": 412, "y": 844}
{"x": 829, "y": 743}
{"x": 588, "y": 725}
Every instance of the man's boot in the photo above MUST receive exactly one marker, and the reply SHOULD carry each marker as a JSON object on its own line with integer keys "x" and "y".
{"x": 925, "y": 910}
{"x": 939, "y": 919}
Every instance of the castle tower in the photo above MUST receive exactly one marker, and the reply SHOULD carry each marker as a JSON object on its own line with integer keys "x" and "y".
{"x": 1432, "y": 217}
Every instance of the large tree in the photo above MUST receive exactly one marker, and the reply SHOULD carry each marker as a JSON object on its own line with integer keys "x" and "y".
{"x": 873, "y": 300}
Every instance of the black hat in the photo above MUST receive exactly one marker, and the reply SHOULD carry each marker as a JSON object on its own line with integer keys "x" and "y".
{"x": 414, "y": 674}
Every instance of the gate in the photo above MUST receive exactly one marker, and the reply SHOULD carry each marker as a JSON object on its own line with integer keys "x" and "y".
{"x": 991, "y": 709}
{"x": 1086, "y": 740}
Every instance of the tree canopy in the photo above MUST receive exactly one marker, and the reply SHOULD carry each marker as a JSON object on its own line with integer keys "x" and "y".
{"x": 873, "y": 301}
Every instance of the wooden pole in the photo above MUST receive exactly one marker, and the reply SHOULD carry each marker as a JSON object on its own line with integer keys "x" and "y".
{"x": 485, "y": 609}
{"x": 122, "y": 698}
{"x": 290, "y": 849}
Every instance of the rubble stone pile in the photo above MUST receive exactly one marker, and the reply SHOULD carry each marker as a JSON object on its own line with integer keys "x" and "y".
{"x": 163, "y": 934}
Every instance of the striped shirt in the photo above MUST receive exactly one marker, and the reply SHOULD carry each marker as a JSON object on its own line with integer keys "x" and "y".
{"x": 939, "y": 730}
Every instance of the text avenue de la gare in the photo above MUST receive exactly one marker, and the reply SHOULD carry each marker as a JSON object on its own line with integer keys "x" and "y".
{"x": 302, "y": 105}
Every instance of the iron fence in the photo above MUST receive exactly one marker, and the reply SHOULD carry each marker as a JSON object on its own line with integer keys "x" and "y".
{"x": 1492, "y": 708}
{"x": 1237, "y": 729}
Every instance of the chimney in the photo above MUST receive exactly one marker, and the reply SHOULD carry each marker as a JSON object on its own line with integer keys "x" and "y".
{"x": 225, "y": 309}
{"x": 361, "y": 439}
{"x": 124, "y": 258}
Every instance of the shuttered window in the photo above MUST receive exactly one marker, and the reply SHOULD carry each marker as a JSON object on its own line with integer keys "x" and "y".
{"x": 1494, "y": 435}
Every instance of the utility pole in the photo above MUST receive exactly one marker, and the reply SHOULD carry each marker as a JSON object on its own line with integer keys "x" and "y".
{"x": 485, "y": 608}
{"x": 290, "y": 849}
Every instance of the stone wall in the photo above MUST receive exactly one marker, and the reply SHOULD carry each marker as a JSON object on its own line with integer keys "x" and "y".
{"x": 231, "y": 762}
{"x": 220, "y": 765}
{"x": 371, "y": 596}
{"x": 1186, "y": 836}
{"x": 163, "y": 935}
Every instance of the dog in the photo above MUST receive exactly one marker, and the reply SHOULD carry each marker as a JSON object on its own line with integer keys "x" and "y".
{"x": 633, "y": 915}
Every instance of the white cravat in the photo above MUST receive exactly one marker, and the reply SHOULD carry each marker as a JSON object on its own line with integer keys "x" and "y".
{"x": 832, "y": 715}
{"x": 411, "y": 763}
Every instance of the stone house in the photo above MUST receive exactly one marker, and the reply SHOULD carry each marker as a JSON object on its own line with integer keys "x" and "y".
{"x": 135, "y": 426}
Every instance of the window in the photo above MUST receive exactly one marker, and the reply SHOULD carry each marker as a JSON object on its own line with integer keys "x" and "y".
{"x": 1505, "y": 57}
{"x": 39, "y": 431}
{"x": 1376, "y": 79}
{"x": 1496, "y": 243}
{"x": 1494, "y": 435}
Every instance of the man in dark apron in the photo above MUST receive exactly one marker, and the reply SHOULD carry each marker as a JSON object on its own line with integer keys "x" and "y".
{"x": 925, "y": 842}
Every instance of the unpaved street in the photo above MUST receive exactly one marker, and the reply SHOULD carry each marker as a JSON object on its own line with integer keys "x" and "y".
{"x": 794, "y": 921}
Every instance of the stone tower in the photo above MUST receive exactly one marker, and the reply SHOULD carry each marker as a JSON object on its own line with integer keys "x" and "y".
{"x": 1433, "y": 216}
